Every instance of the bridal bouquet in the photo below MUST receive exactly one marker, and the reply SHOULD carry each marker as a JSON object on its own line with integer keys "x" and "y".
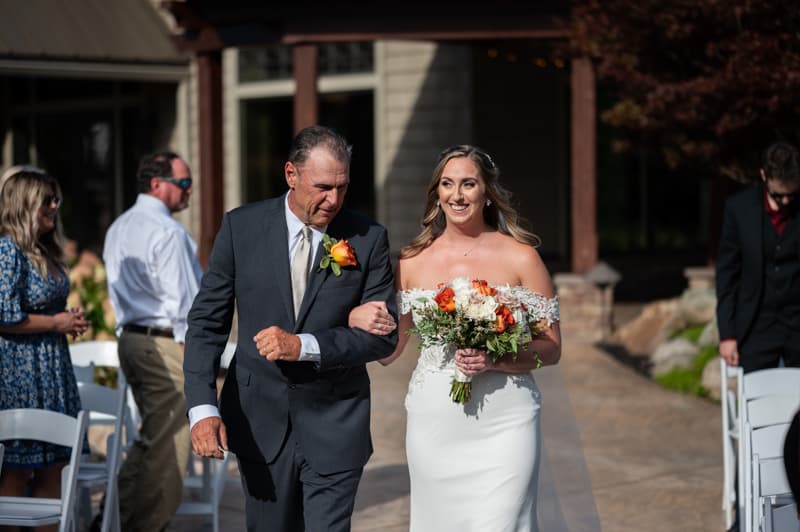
{"x": 472, "y": 314}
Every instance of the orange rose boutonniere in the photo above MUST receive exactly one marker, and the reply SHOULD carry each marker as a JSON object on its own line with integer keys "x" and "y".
{"x": 338, "y": 254}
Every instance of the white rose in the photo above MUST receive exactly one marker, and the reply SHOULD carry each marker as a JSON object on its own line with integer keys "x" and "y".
{"x": 482, "y": 309}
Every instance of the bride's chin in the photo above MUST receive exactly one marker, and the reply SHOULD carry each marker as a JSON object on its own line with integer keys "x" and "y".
{"x": 460, "y": 218}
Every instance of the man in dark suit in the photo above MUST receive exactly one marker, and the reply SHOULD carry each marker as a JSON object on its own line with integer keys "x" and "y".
{"x": 758, "y": 267}
{"x": 295, "y": 405}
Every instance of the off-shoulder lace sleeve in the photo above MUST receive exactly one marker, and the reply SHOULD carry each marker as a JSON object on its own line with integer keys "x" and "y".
{"x": 539, "y": 306}
{"x": 408, "y": 299}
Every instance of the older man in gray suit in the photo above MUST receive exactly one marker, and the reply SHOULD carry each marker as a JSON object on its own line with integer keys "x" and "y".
{"x": 295, "y": 405}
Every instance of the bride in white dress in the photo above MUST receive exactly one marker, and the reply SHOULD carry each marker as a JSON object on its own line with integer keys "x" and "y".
{"x": 474, "y": 467}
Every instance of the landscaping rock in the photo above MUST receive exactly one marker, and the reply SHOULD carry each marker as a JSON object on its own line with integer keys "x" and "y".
{"x": 642, "y": 335}
{"x": 711, "y": 378}
{"x": 710, "y": 334}
{"x": 677, "y": 353}
{"x": 697, "y": 306}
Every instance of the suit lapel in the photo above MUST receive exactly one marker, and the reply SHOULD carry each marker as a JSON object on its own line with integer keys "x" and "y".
{"x": 317, "y": 277}
{"x": 275, "y": 231}
{"x": 315, "y": 280}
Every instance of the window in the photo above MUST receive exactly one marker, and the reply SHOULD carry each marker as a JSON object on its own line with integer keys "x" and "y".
{"x": 272, "y": 63}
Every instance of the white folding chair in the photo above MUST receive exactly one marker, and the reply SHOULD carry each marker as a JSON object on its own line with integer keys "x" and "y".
{"x": 770, "y": 487}
{"x": 783, "y": 519}
{"x": 765, "y": 397}
{"x": 96, "y": 398}
{"x": 206, "y": 478}
{"x": 55, "y": 428}
{"x": 730, "y": 437}
{"x": 203, "y": 492}
{"x": 85, "y": 357}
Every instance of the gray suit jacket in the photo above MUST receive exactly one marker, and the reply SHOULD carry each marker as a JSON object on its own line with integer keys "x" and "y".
{"x": 327, "y": 405}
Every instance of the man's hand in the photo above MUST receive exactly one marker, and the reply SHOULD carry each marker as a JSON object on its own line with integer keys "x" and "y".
{"x": 274, "y": 343}
{"x": 729, "y": 350}
{"x": 373, "y": 317}
{"x": 209, "y": 437}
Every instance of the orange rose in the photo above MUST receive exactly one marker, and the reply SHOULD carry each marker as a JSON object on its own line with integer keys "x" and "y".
{"x": 446, "y": 300}
{"x": 483, "y": 287}
{"x": 343, "y": 254}
{"x": 504, "y": 318}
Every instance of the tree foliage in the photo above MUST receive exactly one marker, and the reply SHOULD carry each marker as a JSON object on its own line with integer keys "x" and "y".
{"x": 705, "y": 82}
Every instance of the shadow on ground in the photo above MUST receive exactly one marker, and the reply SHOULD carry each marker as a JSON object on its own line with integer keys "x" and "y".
{"x": 386, "y": 483}
{"x": 640, "y": 364}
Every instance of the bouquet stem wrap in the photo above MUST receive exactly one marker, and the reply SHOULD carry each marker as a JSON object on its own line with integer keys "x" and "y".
{"x": 460, "y": 387}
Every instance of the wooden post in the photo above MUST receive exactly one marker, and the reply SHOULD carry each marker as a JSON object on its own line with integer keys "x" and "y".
{"x": 306, "y": 105}
{"x": 584, "y": 169}
{"x": 209, "y": 95}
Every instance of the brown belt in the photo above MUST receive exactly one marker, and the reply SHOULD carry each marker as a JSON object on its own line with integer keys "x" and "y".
{"x": 149, "y": 331}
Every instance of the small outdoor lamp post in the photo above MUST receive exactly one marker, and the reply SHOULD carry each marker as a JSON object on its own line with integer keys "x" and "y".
{"x": 605, "y": 277}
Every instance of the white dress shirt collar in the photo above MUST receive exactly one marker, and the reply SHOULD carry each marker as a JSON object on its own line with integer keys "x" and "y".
{"x": 152, "y": 203}
{"x": 295, "y": 224}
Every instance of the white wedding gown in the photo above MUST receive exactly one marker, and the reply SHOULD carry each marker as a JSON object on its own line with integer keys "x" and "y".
{"x": 473, "y": 467}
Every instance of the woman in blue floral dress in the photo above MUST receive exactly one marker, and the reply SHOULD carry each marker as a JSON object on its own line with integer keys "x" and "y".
{"x": 35, "y": 368}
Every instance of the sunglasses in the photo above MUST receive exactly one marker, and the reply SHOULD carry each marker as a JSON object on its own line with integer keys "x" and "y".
{"x": 779, "y": 197}
{"x": 184, "y": 183}
{"x": 52, "y": 199}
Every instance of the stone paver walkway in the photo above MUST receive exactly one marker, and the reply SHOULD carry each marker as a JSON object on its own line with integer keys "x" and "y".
{"x": 653, "y": 456}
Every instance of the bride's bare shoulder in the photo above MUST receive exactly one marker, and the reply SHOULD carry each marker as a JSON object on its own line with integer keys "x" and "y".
{"x": 407, "y": 271}
{"x": 415, "y": 271}
{"x": 509, "y": 247}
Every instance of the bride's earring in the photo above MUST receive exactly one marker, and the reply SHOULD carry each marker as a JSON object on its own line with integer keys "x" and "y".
{"x": 437, "y": 203}
{"x": 488, "y": 202}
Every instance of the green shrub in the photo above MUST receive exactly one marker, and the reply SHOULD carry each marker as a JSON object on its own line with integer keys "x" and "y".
{"x": 689, "y": 380}
{"x": 691, "y": 333}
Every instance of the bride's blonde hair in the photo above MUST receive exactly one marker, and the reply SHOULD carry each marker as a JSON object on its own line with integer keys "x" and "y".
{"x": 499, "y": 214}
{"x": 23, "y": 193}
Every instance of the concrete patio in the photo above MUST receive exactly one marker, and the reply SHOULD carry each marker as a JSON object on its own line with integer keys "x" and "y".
{"x": 653, "y": 456}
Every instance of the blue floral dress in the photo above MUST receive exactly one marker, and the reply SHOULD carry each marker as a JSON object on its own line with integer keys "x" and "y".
{"x": 35, "y": 369}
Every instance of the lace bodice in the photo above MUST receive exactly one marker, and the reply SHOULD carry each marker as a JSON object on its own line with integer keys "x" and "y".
{"x": 542, "y": 308}
{"x": 438, "y": 358}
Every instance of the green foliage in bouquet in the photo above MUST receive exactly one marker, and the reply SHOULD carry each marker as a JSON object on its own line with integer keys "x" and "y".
{"x": 436, "y": 327}
{"x": 455, "y": 328}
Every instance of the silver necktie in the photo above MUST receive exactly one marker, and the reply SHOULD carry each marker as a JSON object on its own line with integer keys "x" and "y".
{"x": 302, "y": 256}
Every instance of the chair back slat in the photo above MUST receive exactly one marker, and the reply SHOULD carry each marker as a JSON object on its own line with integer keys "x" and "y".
{"x": 772, "y": 410}
{"x": 773, "y": 479}
{"x": 51, "y": 427}
{"x": 37, "y": 424}
{"x": 773, "y": 381}
{"x": 767, "y": 442}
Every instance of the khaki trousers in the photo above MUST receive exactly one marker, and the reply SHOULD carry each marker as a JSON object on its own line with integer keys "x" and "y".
{"x": 151, "y": 479}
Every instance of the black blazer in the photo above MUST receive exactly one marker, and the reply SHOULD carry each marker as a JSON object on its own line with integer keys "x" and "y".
{"x": 327, "y": 404}
{"x": 740, "y": 263}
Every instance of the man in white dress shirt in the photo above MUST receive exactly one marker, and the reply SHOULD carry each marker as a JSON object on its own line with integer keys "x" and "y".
{"x": 153, "y": 277}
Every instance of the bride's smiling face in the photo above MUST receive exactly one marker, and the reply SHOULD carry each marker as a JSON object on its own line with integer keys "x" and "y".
{"x": 462, "y": 191}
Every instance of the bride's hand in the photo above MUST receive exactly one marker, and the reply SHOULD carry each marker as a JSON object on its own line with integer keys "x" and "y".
{"x": 372, "y": 317}
{"x": 473, "y": 361}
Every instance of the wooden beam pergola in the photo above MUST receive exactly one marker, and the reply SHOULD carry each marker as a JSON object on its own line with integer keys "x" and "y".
{"x": 584, "y": 171}
{"x": 209, "y": 96}
{"x": 208, "y": 27}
